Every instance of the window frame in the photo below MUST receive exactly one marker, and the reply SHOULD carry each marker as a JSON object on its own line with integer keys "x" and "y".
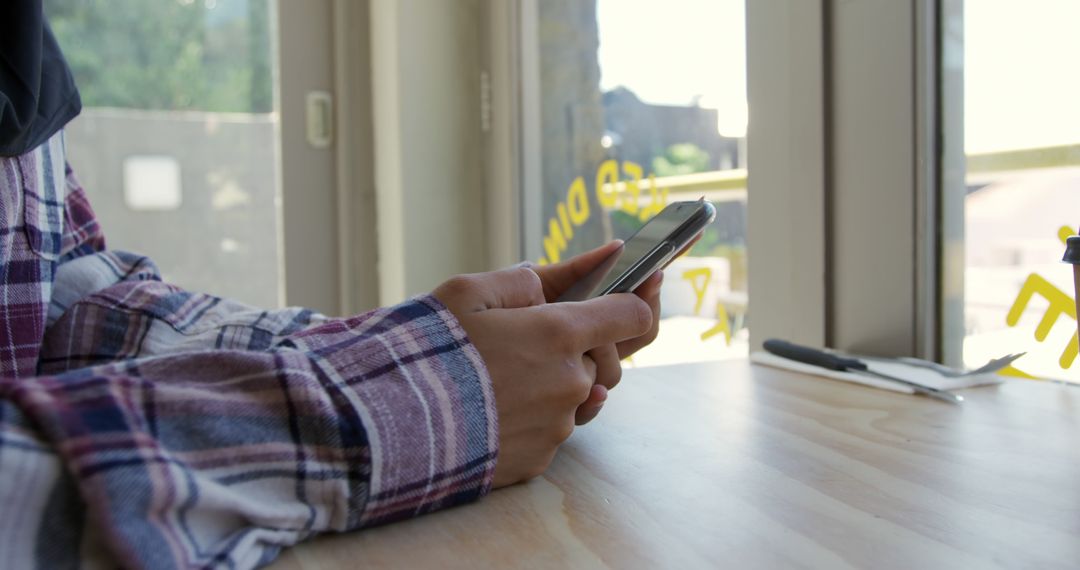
{"x": 875, "y": 255}
{"x": 838, "y": 92}
{"x": 885, "y": 242}
{"x": 952, "y": 190}
{"x": 329, "y": 242}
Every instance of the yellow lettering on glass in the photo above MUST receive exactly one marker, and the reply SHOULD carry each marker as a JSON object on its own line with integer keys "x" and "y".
{"x": 574, "y": 211}
{"x": 607, "y": 177}
{"x": 633, "y": 187}
{"x": 564, "y": 219}
{"x": 577, "y": 199}
{"x": 722, "y": 326}
{"x": 1063, "y": 234}
{"x": 1014, "y": 372}
{"x": 1060, "y": 304}
{"x": 699, "y": 280}
{"x": 657, "y": 200}
{"x": 554, "y": 242}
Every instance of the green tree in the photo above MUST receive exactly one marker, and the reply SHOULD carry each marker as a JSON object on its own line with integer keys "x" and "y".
{"x": 210, "y": 55}
{"x": 682, "y": 158}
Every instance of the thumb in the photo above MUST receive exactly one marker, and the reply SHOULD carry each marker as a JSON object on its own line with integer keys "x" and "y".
{"x": 506, "y": 289}
{"x": 559, "y": 277}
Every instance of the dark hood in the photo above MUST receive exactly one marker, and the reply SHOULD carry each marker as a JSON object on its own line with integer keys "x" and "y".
{"x": 37, "y": 92}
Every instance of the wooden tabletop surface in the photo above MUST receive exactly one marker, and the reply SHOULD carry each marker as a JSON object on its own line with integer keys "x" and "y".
{"x": 741, "y": 466}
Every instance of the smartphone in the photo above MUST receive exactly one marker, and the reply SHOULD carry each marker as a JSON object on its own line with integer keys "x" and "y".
{"x": 649, "y": 249}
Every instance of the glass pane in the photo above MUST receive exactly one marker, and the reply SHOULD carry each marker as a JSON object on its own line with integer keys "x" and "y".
{"x": 642, "y": 103}
{"x": 1022, "y": 141}
{"x": 177, "y": 144}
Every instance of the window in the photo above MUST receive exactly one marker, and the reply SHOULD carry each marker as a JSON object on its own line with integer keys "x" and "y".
{"x": 1021, "y": 138}
{"x": 177, "y": 145}
{"x": 636, "y": 104}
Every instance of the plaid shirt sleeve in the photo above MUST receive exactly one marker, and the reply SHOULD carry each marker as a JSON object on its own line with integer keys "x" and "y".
{"x": 169, "y": 429}
{"x": 222, "y": 457}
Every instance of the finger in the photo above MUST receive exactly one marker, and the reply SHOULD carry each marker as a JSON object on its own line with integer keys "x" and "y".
{"x": 603, "y": 320}
{"x": 559, "y": 277}
{"x": 588, "y": 411}
{"x": 651, "y": 286}
{"x": 608, "y": 367}
{"x": 589, "y": 364}
{"x": 505, "y": 289}
{"x": 685, "y": 249}
{"x": 650, "y": 293}
{"x": 512, "y": 288}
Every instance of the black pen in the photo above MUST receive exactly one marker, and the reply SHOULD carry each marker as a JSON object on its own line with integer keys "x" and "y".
{"x": 824, "y": 359}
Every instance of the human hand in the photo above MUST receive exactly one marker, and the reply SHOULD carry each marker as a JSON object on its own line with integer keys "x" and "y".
{"x": 535, "y": 353}
{"x": 559, "y": 277}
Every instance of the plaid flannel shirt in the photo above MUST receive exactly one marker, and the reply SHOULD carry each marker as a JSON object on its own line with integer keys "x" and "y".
{"x": 146, "y": 426}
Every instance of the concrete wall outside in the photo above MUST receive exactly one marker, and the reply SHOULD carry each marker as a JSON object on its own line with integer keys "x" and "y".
{"x": 223, "y": 239}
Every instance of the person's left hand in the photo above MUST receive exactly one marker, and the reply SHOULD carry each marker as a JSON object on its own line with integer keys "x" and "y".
{"x": 557, "y": 278}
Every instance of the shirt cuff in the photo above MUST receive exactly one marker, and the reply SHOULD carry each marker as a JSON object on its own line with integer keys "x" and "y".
{"x": 424, "y": 397}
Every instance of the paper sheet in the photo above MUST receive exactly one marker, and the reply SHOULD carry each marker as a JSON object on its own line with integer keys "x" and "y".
{"x": 919, "y": 375}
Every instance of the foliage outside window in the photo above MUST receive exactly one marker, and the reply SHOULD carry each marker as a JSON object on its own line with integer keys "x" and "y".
{"x": 205, "y": 55}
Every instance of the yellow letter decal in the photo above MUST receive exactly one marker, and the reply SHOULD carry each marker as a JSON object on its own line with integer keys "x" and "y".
{"x": 633, "y": 187}
{"x": 1060, "y": 304}
{"x": 657, "y": 200}
{"x": 699, "y": 285}
{"x": 578, "y": 201}
{"x": 554, "y": 243}
{"x": 722, "y": 325}
{"x": 1063, "y": 234}
{"x": 564, "y": 218}
{"x": 607, "y": 177}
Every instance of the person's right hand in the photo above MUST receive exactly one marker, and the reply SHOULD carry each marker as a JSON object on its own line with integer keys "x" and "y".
{"x": 558, "y": 278}
{"x": 536, "y": 355}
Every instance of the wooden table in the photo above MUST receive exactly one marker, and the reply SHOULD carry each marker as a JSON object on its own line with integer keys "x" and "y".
{"x": 740, "y": 466}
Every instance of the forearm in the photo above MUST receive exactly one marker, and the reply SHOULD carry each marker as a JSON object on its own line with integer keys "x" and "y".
{"x": 184, "y": 458}
{"x": 112, "y": 306}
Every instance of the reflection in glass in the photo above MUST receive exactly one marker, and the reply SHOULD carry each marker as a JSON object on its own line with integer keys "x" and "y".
{"x": 643, "y": 103}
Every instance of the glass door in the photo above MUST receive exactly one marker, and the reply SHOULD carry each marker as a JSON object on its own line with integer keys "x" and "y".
{"x": 1017, "y": 113}
{"x": 625, "y": 107}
